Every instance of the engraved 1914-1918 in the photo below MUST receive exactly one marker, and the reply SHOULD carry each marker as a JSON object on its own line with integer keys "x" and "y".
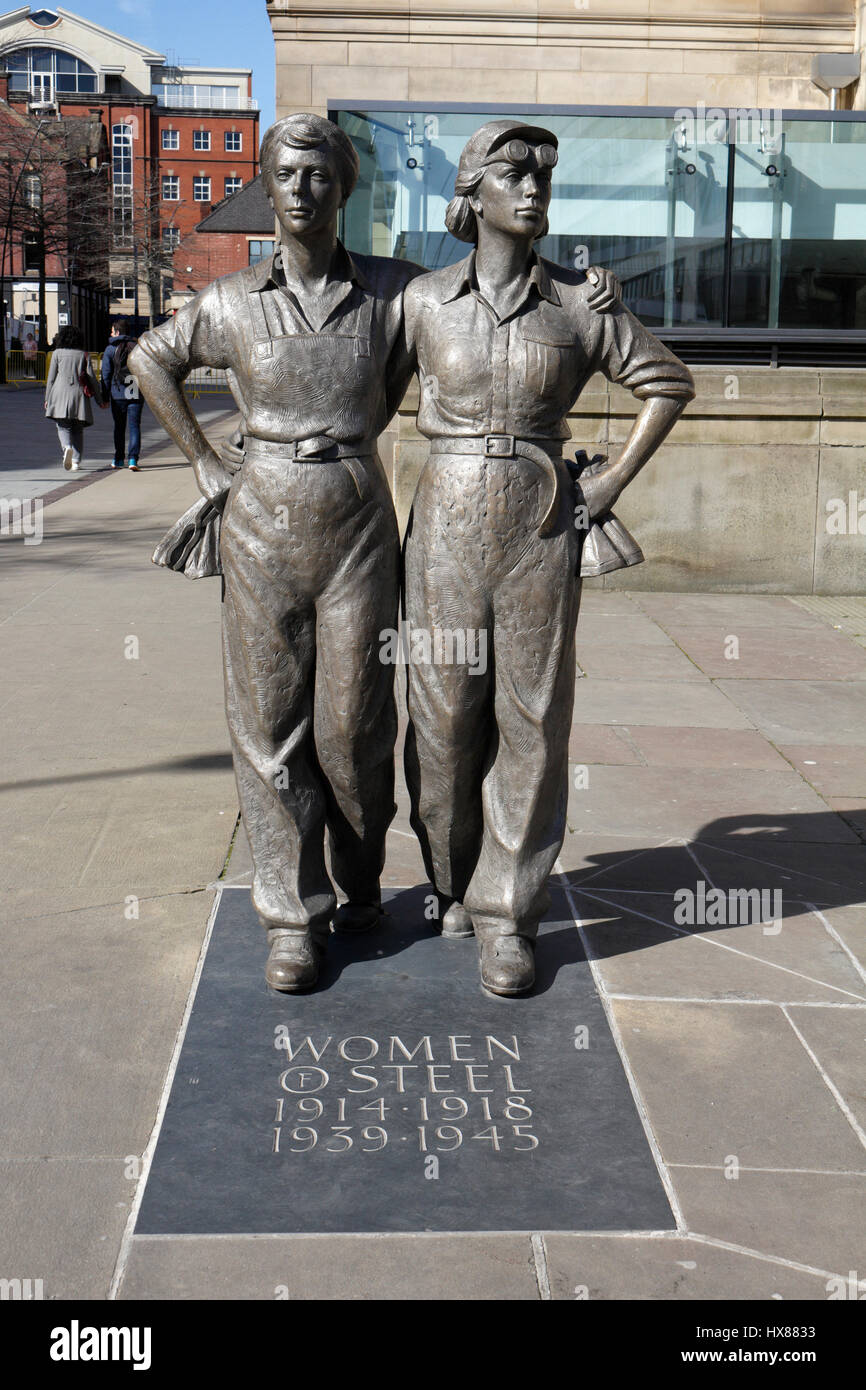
{"x": 359, "y": 1094}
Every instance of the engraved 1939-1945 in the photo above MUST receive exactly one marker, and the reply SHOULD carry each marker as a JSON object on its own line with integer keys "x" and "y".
{"x": 359, "y": 1094}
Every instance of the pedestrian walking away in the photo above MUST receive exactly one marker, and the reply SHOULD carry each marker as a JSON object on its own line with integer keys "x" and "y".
{"x": 69, "y": 390}
{"x": 121, "y": 389}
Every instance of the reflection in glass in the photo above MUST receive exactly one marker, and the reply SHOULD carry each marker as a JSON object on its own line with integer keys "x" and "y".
{"x": 650, "y": 199}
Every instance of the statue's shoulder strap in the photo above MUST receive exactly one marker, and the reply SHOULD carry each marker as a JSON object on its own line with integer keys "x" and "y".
{"x": 261, "y": 332}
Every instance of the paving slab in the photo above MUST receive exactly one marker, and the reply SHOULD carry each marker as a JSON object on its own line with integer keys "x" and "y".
{"x": 711, "y": 748}
{"x": 394, "y": 1267}
{"x": 767, "y": 652}
{"x": 62, "y": 1220}
{"x": 78, "y": 1086}
{"x": 639, "y": 661}
{"x": 852, "y": 810}
{"x": 689, "y": 704}
{"x": 698, "y": 803}
{"x": 837, "y": 770}
{"x": 631, "y": 1267}
{"x": 820, "y": 873}
{"x": 815, "y": 1219}
{"x": 695, "y": 609}
{"x": 599, "y": 743}
{"x": 638, "y": 955}
{"x": 690, "y": 1061}
{"x": 838, "y": 1040}
{"x": 802, "y": 711}
{"x": 620, "y": 629}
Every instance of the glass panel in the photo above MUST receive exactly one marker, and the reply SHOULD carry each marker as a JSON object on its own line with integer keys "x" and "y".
{"x": 627, "y": 194}
{"x": 799, "y": 233}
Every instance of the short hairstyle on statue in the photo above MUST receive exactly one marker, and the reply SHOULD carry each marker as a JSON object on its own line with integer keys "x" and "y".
{"x": 307, "y": 132}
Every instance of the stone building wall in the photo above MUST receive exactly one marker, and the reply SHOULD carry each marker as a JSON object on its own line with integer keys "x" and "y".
{"x": 751, "y": 491}
{"x": 569, "y": 52}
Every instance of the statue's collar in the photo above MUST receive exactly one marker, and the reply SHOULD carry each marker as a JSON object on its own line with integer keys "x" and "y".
{"x": 268, "y": 273}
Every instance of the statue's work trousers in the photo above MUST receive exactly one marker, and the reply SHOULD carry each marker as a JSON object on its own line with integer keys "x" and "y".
{"x": 487, "y": 754}
{"x": 311, "y": 579}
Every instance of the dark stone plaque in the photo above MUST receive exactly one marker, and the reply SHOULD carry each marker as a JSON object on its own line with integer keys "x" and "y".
{"x": 398, "y": 1096}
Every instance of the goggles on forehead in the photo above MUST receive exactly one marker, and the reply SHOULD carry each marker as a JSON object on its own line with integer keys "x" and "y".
{"x": 519, "y": 152}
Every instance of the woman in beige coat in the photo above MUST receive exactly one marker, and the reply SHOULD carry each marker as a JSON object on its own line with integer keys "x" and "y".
{"x": 66, "y": 401}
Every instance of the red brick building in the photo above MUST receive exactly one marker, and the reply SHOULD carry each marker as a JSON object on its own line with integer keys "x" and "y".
{"x": 179, "y": 139}
{"x": 239, "y": 232}
{"x": 54, "y": 200}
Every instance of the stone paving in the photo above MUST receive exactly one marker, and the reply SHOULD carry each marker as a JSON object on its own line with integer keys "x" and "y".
{"x": 718, "y": 740}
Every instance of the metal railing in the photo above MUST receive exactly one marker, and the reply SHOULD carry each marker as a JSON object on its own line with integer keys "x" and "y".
{"x": 207, "y": 381}
{"x": 26, "y": 368}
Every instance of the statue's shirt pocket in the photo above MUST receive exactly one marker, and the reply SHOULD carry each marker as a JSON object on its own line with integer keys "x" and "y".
{"x": 548, "y": 356}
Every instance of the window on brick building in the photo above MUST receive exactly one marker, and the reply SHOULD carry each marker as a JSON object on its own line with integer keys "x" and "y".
{"x": 201, "y": 139}
{"x": 171, "y": 139}
{"x": 122, "y": 183}
{"x": 123, "y": 288}
{"x": 170, "y": 237}
{"x": 260, "y": 250}
{"x": 170, "y": 188}
{"x": 234, "y": 142}
{"x": 32, "y": 251}
{"x": 201, "y": 189}
{"x": 232, "y": 185}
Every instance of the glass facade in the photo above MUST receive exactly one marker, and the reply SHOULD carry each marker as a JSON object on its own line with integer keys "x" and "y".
{"x": 44, "y": 71}
{"x": 742, "y": 221}
{"x": 194, "y": 94}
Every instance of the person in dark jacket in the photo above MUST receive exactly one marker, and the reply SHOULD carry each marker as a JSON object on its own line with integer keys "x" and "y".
{"x": 120, "y": 386}
{"x": 67, "y": 402}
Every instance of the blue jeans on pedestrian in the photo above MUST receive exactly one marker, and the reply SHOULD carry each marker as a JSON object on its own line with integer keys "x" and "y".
{"x": 123, "y": 411}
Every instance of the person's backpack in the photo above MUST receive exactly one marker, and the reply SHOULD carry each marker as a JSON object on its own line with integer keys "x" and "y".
{"x": 119, "y": 371}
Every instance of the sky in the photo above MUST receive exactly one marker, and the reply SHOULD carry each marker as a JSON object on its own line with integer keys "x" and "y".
{"x": 226, "y": 33}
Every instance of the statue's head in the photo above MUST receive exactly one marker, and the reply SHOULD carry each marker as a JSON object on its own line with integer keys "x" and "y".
{"x": 504, "y": 178}
{"x": 309, "y": 168}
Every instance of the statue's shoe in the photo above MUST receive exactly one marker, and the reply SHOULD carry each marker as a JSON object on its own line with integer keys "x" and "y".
{"x": 293, "y": 962}
{"x": 357, "y": 917}
{"x": 456, "y": 923}
{"x": 507, "y": 964}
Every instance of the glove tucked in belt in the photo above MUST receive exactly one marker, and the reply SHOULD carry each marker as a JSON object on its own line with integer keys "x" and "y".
{"x": 607, "y": 544}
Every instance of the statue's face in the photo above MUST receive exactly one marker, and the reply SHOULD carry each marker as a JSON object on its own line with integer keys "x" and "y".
{"x": 514, "y": 195}
{"x": 304, "y": 189}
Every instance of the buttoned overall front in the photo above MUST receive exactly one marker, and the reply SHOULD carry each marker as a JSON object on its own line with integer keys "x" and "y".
{"x": 310, "y": 557}
{"x": 492, "y": 546}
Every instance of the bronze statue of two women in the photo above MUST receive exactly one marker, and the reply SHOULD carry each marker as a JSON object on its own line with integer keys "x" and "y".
{"x": 319, "y": 347}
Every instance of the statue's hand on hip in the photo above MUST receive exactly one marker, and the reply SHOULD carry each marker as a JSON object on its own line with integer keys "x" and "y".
{"x": 211, "y": 474}
{"x": 598, "y": 489}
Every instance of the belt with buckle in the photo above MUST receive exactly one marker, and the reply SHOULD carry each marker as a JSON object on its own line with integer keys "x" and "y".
{"x": 318, "y": 449}
{"x": 541, "y": 452}
{"x": 504, "y": 446}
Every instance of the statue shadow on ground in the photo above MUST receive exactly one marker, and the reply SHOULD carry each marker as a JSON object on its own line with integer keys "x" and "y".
{"x": 786, "y": 864}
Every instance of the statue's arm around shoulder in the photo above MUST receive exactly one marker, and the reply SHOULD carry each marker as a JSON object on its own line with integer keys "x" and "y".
{"x": 403, "y": 360}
